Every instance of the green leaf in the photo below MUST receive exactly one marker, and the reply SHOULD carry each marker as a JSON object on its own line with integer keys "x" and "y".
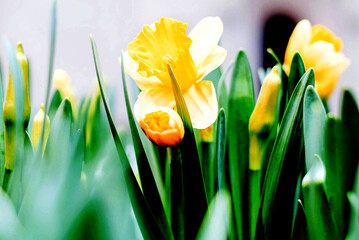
{"x": 54, "y": 104}
{"x": 148, "y": 225}
{"x": 193, "y": 185}
{"x": 221, "y": 89}
{"x": 284, "y": 167}
{"x": 300, "y": 231}
{"x": 221, "y": 148}
{"x": 148, "y": 183}
{"x": 342, "y": 156}
{"x": 216, "y": 222}
{"x": 241, "y": 105}
{"x": 50, "y": 73}
{"x": 214, "y": 76}
{"x": 316, "y": 206}
{"x": 314, "y": 120}
{"x": 297, "y": 70}
{"x": 354, "y": 219}
{"x": 10, "y": 227}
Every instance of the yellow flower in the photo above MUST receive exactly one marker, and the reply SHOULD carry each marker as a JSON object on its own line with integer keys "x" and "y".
{"x": 162, "y": 126}
{"x": 263, "y": 117}
{"x": 320, "y": 50}
{"x": 191, "y": 58}
{"x": 62, "y": 82}
{"x": 37, "y": 127}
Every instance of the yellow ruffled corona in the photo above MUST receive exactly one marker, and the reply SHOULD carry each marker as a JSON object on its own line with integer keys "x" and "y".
{"x": 263, "y": 117}
{"x": 9, "y": 108}
{"x": 191, "y": 58}
{"x": 37, "y": 128}
{"x": 321, "y": 50}
{"x": 163, "y": 126}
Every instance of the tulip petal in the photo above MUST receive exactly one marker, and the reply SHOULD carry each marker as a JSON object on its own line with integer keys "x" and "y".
{"x": 321, "y": 33}
{"x": 131, "y": 68}
{"x": 213, "y": 60}
{"x": 328, "y": 65}
{"x": 151, "y": 98}
{"x": 205, "y": 35}
{"x": 202, "y": 104}
{"x": 299, "y": 39}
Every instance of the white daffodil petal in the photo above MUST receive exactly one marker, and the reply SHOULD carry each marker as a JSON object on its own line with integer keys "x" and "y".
{"x": 205, "y": 35}
{"x": 142, "y": 82}
{"x": 202, "y": 104}
{"x": 212, "y": 61}
{"x": 151, "y": 98}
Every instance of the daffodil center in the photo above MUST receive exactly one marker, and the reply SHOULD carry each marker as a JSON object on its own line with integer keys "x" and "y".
{"x": 168, "y": 60}
{"x": 158, "y": 121}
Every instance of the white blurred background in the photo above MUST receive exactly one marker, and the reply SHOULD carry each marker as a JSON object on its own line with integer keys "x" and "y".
{"x": 115, "y": 23}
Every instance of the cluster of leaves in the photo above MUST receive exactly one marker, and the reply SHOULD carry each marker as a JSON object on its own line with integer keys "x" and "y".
{"x": 96, "y": 182}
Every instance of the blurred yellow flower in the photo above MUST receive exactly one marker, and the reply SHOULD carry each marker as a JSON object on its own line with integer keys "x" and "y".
{"x": 62, "y": 82}
{"x": 191, "y": 58}
{"x": 320, "y": 50}
{"x": 162, "y": 126}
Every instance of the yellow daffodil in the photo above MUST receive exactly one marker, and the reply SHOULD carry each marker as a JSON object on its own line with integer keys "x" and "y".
{"x": 62, "y": 82}
{"x": 162, "y": 126}
{"x": 320, "y": 50}
{"x": 191, "y": 58}
{"x": 37, "y": 127}
{"x": 263, "y": 117}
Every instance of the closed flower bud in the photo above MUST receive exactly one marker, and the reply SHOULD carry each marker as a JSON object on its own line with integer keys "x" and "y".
{"x": 24, "y": 63}
{"x": 9, "y": 108}
{"x": 162, "y": 126}
{"x": 37, "y": 126}
{"x": 263, "y": 117}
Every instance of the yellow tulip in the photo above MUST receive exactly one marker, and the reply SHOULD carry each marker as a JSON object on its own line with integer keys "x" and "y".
{"x": 263, "y": 118}
{"x": 162, "y": 126}
{"x": 191, "y": 58}
{"x": 321, "y": 50}
{"x": 37, "y": 128}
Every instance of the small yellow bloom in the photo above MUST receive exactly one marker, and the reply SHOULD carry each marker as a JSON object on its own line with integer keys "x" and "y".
{"x": 321, "y": 50}
{"x": 263, "y": 117}
{"x": 37, "y": 127}
{"x": 191, "y": 58}
{"x": 162, "y": 126}
{"x": 62, "y": 82}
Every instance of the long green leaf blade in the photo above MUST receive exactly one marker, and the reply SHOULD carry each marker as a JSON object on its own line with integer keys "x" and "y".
{"x": 148, "y": 183}
{"x": 241, "y": 105}
{"x": 194, "y": 191}
{"x": 279, "y": 187}
{"x": 314, "y": 120}
{"x": 148, "y": 225}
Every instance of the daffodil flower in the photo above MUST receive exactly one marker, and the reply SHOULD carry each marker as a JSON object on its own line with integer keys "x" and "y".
{"x": 321, "y": 50}
{"x": 191, "y": 58}
{"x": 162, "y": 126}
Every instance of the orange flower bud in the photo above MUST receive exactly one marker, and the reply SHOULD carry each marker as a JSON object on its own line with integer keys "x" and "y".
{"x": 162, "y": 126}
